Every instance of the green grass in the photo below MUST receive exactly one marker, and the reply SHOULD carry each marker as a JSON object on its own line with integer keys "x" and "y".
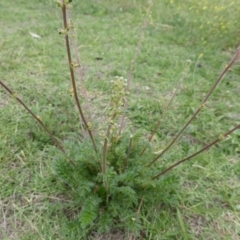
{"x": 33, "y": 203}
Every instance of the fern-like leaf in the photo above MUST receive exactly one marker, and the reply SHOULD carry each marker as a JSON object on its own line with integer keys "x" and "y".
{"x": 125, "y": 195}
{"x": 89, "y": 211}
{"x": 105, "y": 222}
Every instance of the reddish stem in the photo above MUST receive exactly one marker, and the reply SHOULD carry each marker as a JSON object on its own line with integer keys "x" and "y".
{"x": 82, "y": 116}
{"x": 58, "y": 144}
{"x": 200, "y": 108}
{"x": 197, "y": 153}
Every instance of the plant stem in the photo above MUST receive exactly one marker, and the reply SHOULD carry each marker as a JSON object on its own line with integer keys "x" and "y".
{"x": 164, "y": 112}
{"x": 105, "y": 145}
{"x": 200, "y": 108}
{"x": 104, "y": 152}
{"x": 57, "y": 143}
{"x": 82, "y": 116}
{"x": 198, "y": 152}
{"x": 80, "y": 75}
{"x": 128, "y": 153}
{"x": 130, "y": 74}
{"x": 140, "y": 206}
{"x": 138, "y": 213}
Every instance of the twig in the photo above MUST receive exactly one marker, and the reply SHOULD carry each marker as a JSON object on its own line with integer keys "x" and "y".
{"x": 128, "y": 153}
{"x": 80, "y": 74}
{"x": 104, "y": 152}
{"x": 197, "y": 153}
{"x": 57, "y": 143}
{"x": 105, "y": 145}
{"x": 130, "y": 74}
{"x": 200, "y": 108}
{"x": 82, "y": 116}
{"x": 138, "y": 212}
{"x": 164, "y": 112}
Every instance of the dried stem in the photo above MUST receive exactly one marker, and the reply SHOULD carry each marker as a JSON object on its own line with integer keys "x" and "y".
{"x": 104, "y": 152}
{"x": 57, "y": 143}
{"x": 164, "y": 112}
{"x": 80, "y": 75}
{"x": 128, "y": 153}
{"x": 200, "y": 108}
{"x": 131, "y": 237}
{"x": 104, "y": 155}
{"x": 197, "y": 153}
{"x": 140, "y": 206}
{"x": 130, "y": 74}
{"x": 82, "y": 116}
{"x": 105, "y": 145}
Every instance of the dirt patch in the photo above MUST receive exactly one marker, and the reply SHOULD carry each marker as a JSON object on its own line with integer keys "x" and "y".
{"x": 227, "y": 226}
{"x": 114, "y": 235}
{"x": 196, "y": 224}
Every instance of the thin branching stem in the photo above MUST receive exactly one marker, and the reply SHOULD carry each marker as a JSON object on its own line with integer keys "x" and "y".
{"x": 131, "y": 237}
{"x": 200, "y": 107}
{"x": 82, "y": 116}
{"x": 133, "y": 62}
{"x": 80, "y": 75}
{"x": 164, "y": 112}
{"x": 128, "y": 153}
{"x": 104, "y": 157}
{"x": 197, "y": 153}
{"x": 140, "y": 206}
{"x": 105, "y": 145}
{"x": 104, "y": 152}
{"x": 57, "y": 143}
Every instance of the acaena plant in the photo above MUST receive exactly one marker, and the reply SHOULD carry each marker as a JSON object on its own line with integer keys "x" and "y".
{"x": 112, "y": 171}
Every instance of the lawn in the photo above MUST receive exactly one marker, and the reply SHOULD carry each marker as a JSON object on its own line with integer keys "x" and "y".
{"x": 184, "y": 41}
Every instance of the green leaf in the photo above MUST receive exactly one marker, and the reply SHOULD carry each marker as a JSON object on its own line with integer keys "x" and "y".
{"x": 182, "y": 224}
{"x": 89, "y": 211}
